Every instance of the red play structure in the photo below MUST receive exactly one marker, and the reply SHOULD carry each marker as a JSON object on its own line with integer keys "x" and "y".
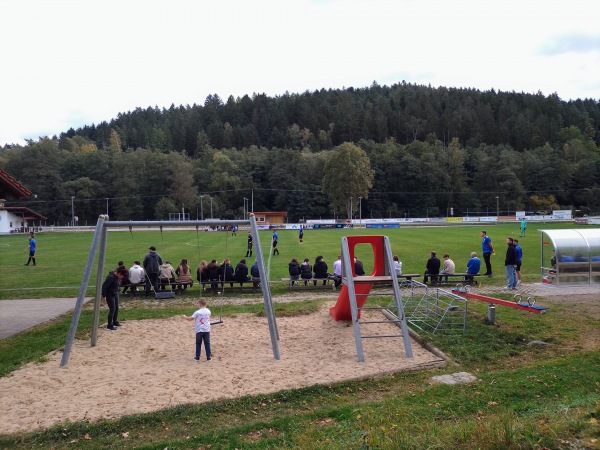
{"x": 363, "y": 285}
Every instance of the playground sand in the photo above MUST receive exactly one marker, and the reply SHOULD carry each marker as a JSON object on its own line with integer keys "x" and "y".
{"x": 148, "y": 365}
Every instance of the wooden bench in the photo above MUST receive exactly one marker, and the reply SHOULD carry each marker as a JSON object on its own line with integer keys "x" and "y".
{"x": 176, "y": 286}
{"x": 457, "y": 277}
{"x": 310, "y": 283}
{"x": 132, "y": 288}
{"x": 408, "y": 276}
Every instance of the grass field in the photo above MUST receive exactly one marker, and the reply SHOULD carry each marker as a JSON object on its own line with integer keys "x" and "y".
{"x": 62, "y": 257}
{"x": 528, "y": 397}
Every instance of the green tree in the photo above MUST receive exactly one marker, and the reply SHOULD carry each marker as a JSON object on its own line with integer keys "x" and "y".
{"x": 347, "y": 174}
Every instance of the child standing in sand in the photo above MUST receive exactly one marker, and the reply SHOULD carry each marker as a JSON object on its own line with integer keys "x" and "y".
{"x": 202, "y": 325}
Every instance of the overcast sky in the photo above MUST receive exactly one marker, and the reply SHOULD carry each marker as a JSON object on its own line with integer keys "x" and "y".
{"x": 69, "y": 63}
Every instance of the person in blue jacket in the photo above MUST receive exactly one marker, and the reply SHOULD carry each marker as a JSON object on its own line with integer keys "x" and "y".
{"x": 473, "y": 266}
{"x": 31, "y": 248}
{"x": 487, "y": 249}
{"x": 519, "y": 258}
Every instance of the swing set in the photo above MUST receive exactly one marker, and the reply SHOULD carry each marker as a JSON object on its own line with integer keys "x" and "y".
{"x": 98, "y": 249}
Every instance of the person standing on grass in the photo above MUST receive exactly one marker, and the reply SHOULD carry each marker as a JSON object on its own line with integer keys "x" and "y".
{"x": 301, "y": 234}
{"x": 523, "y": 227}
{"x": 250, "y": 244}
{"x": 487, "y": 249}
{"x": 110, "y": 291}
{"x": 152, "y": 263}
{"x": 510, "y": 263}
{"x": 519, "y": 258}
{"x": 202, "y": 325}
{"x": 31, "y": 246}
{"x": 275, "y": 242}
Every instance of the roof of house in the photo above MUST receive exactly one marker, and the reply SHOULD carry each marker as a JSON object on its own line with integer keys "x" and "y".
{"x": 26, "y": 213}
{"x": 9, "y": 185}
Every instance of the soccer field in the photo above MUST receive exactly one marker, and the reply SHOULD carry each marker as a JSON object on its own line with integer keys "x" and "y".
{"x": 62, "y": 257}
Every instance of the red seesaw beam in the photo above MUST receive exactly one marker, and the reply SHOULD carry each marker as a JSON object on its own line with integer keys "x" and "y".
{"x": 496, "y": 301}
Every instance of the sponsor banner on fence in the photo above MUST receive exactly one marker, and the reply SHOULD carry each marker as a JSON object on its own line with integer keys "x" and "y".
{"x": 488, "y": 219}
{"x": 454, "y": 219}
{"x": 470, "y": 219}
{"x": 322, "y": 226}
{"x": 382, "y": 225}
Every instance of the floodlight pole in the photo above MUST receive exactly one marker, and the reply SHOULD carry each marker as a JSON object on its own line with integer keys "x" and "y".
{"x": 497, "y": 209}
{"x": 201, "y": 208}
{"x": 72, "y": 212}
{"x": 359, "y": 212}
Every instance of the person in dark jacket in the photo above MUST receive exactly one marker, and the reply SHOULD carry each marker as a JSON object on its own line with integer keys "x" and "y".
{"x": 110, "y": 291}
{"x": 255, "y": 274}
{"x": 320, "y": 269}
{"x": 213, "y": 273}
{"x": 294, "y": 270}
{"x": 432, "y": 269}
{"x": 241, "y": 272}
{"x": 510, "y": 263}
{"x": 226, "y": 273}
{"x": 202, "y": 273}
{"x": 358, "y": 267}
{"x": 306, "y": 271}
{"x": 152, "y": 263}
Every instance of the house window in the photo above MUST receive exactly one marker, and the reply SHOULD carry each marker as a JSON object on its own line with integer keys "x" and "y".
{"x": 261, "y": 219}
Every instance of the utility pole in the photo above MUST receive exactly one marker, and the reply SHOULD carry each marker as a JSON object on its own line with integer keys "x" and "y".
{"x": 72, "y": 212}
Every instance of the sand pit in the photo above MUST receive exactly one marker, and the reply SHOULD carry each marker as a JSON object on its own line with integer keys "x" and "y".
{"x": 148, "y": 365}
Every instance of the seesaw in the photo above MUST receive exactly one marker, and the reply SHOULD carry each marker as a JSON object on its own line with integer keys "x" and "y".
{"x": 517, "y": 303}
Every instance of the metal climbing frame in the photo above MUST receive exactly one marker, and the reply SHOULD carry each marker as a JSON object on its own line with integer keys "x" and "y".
{"x": 383, "y": 273}
{"x": 433, "y": 310}
{"x": 99, "y": 240}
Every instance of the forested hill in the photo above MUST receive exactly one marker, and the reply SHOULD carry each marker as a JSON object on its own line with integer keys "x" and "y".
{"x": 399, "y": 151}
{"x": 324, "y": 119}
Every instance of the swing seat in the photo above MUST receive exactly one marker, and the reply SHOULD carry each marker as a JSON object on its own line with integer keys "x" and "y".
{"x": 164, "y": 295}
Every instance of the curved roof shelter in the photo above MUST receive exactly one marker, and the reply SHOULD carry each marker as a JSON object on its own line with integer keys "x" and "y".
{"x": 577, "y": 256}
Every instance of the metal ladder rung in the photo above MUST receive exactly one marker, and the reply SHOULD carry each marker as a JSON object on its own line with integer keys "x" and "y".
{"x": 373, "y": 307}
{"x": 378, "y": 321}
{"x": 382, "y": 336}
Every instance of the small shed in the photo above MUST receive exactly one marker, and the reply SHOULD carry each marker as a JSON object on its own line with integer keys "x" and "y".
{"x": 271, "y": 217}
{"x": 571, "y": 256}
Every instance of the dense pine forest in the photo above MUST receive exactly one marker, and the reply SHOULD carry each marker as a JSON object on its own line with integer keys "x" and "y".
{"x": 399, "y": 151}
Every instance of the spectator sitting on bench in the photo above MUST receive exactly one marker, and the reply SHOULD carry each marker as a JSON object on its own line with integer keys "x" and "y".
{"x": 449, "y": 267}
{"x": 213, "y": 272}
{"x": 397, "y": 266}
{"x": 167, "y": 275}
{"x": 337, "y": 271}
{"x": 432, "y": 269}
{"x": 473, "y": 266}
{"x": 202, "y": 274}
{"x": 320, "y": 269}
{"x": 241, "y": 272}
{"x": 255, "y": 274}
{"x": 184, "y": 275}
{"x": 294, "y": 271}
{"x": 358, "y": 268}
{"x": 136, "y": 276}
{"x": 226, "y": 273}
{"x": 306, "y": 271}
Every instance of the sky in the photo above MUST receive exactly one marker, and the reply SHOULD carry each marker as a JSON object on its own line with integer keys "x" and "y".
{"x": 70, "y": 63}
